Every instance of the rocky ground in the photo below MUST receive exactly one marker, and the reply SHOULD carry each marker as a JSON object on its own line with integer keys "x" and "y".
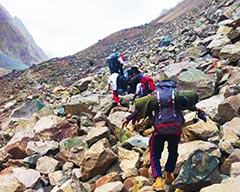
{"x": 67, "y": 136}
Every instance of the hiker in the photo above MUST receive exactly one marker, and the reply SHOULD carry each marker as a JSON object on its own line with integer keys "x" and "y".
{"x": 114, "y": 63}
{"x": 145, "y": 85}
{"x": 132, "y": 83}
{"x": 112, "y": 83}
{"x": 164, "y": 109}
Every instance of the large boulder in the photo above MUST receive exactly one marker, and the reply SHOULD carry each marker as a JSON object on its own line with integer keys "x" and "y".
{"x": 230, "y": 52}
{"x": 172, "y": 70}
{"x": 200, "y": 170}
{"x": 210, "y": 106}
{"x": 195, "y": 79}
{"x": 199, "y": 130}
{"x": 97, "y": 159}
{"x": 229, "y": 108}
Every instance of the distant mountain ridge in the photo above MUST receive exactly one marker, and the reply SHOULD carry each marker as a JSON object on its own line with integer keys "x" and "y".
{"x": 16, "y": 44}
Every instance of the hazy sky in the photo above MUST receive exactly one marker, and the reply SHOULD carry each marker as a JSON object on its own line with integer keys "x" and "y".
{"x": 64, "y": 27}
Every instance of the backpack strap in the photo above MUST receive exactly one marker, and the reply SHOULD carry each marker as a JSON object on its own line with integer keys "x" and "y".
{"x": 159, "y": 104}
{"x": 173, "y": 102}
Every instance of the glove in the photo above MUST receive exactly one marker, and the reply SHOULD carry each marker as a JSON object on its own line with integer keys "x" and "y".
{"x": 195, "y": 120}
{"x": 125, "y": 123}
{"x": 202, "y": 115}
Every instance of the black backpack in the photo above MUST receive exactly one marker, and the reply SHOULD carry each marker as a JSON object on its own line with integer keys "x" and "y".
{"x": 132, "y": 82}
{"x": 114, "y": 64}
{"x": 122, "y": 82}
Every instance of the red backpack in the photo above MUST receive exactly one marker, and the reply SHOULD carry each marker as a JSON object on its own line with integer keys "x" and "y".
{"x": 148, "y": 85}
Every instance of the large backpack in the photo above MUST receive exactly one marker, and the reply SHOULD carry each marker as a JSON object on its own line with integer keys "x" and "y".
{"x": 168, "y": 118}
{"x": 114, "y": 64}
{"x": 132, "y": 82}
{"x": 148, "y": 85}
{"x": 122, "y": 83}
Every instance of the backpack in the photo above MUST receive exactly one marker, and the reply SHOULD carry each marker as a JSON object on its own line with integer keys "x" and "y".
{"x": 114, "y": 64}
{"x": 132, "y": 83}
{"x": 148, "y": 85}
{"x": 122, "y": 82}
{"x": 168, "y": 118}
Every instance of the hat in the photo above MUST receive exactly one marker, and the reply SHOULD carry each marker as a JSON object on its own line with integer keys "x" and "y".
{"x": 135, "y": 70}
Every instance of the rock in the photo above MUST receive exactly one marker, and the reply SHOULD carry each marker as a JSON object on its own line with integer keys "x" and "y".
{"x": 136, "y": 141}
{"x": 219, "y": 41}
{"x": 46, "y": 123}
{"x": 40, "y": 146}
{"x": 111, "y": 177}
{"x": 27, "y": 177}
{"x": 210, "y": 106}
{"x": 97, "y": 159}
{"x": 116, "y": 186}
{"x": 195, "y": 79}
{"x": 118, "y": 117}
{"x": 185, "y": 149}
{"x": 28, "y": 109}
{"x": 235, "y": 169}
{"x": 60, "y": 131}
{"x": 199, "y": 130}
{"x": 229, "y": 108}
{"x": 231, "y": 52}
{"x": 199, "y": 170}
{"x": 173, "y": 70}
{"x": 128, "y": 161}
{"x": 56, "y": 177}
{"x": 82, "y": 84}
{"x": 46, "y": 165}
{"x": 230, "y": 185}
{"x": 226, "y": 166}
{"x": 76, "y": 109}
{"x": 8, "y": 182}
{"x": 96, "y": 134}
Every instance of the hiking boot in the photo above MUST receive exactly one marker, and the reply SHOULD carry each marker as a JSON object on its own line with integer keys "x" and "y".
{"x": 158, "y": 185}
{"x": 169, "y": 177}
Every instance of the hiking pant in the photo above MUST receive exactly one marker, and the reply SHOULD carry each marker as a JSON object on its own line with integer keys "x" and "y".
{"x": 156, "y": 146}
{"x": 115, "y": 97}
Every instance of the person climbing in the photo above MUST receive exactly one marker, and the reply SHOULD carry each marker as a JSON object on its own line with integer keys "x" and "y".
{"x": 164, "y": 109}
{"x": 112, "y": 83}
{"x": 144, "y": 84}
{"x": 132, "y": 83}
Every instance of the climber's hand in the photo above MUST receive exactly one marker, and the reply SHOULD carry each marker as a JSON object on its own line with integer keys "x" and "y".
{"x": 202, "y": 115}
{"x": 125, "y": 123}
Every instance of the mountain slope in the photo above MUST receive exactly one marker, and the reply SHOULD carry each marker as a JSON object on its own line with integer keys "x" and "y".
{"x": 17, "y": 43}
{"x": 139, "y": 44}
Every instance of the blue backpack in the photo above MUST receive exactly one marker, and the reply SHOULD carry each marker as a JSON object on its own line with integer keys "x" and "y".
{"x": 114, "y": 64}
{"x": 168, "y": 118}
